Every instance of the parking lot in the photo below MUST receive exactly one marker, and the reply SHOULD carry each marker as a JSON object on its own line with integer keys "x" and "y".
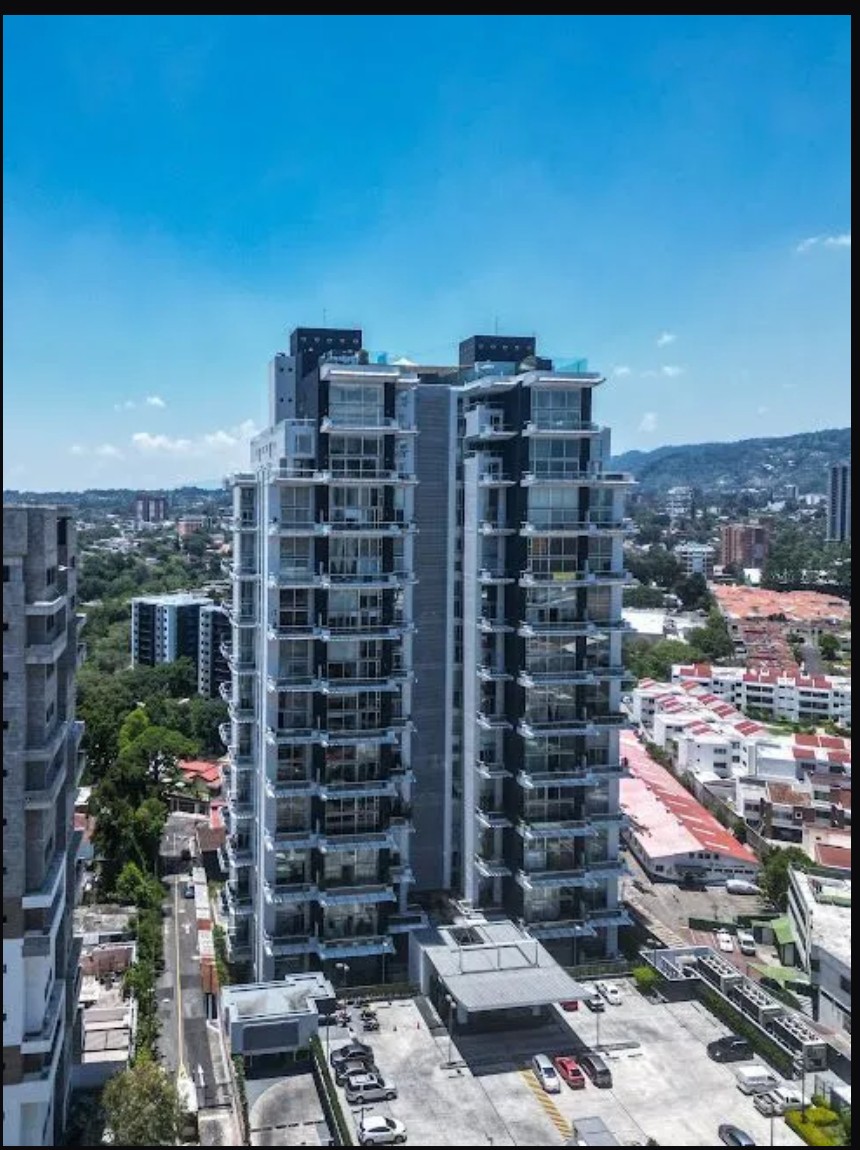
{"x": 478, "y": 1091}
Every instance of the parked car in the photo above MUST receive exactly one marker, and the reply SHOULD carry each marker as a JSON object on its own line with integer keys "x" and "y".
{"x": 354, "y": 1049}
{"x": 777, "y": 1102}
{"x": 345, "y": 1070}
{"x": 595, "y": 1002}
{"x": 188, "y": 890}
{"x": 361, "y": 1088}
{"x": 746, "y": 942}
{"x": 570, "y": 1004}
{"x": 377, "y": 1130}
{"x": 730, "y": 1048}
{"x": 756, "y": 1079}
{"x": 611, "y": 993}
{"x": 570, "y": 1070}
{"x": 724, "y": 941}
{"x": 544, "y": 1072}
{"x": 596, "y": 1069}
{"x": 734, "y": 1136}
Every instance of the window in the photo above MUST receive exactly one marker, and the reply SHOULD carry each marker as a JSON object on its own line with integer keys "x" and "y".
{"x": 7, "y": 573}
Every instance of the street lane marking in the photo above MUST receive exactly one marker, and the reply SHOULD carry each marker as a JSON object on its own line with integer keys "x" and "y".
{"x": 552, "y": 1112}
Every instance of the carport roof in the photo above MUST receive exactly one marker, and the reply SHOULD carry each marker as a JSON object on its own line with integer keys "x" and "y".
{"x": 496, "y": 966}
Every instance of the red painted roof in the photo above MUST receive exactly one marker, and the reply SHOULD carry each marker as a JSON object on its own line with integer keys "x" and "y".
{"x": 698, "y": 822}
{"x": 833, "y": 856}
{"x": 209, "y": 773}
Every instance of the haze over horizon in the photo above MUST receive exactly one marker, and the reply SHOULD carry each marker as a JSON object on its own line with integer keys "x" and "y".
{"x": 660, "y": 195}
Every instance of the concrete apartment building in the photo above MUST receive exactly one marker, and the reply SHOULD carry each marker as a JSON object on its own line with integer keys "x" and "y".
{"x": 425, "y": 656}
{"x": 165, "y": 628}
{"x": 213, "y": 671}
{"x": 786, "y": 695}
{"x": 696, "y": 558}
{"x": 149, "y": 510}
{"x": 679, "y": 502}
{"x": 819, "y": 910}
{"x": 41, "y": 769}
{"x": 743, "y": 544}
{"x": 839, "y": 503}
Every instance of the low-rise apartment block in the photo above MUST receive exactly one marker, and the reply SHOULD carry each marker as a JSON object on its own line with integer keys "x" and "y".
{"x": 795, "y": 698}
{"x": 819, "y": 910}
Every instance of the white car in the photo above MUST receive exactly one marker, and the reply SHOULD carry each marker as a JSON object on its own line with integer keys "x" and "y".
{"x": 746, "y": 942}
{"x": 546, "y": 1074}
{"x": 724, "y": 941}
{"x": 361, "y": 1088}
{"x": 611, "y": 993}
{"x": 376, "y": 1130}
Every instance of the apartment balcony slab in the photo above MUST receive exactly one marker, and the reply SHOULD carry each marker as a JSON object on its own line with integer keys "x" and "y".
{"x": 45, "y": 797}
{"x": 561, "y": 928}
{"x": 366, "y": 631}
{"x": 491, "y": 770}
{"x": 297, "y": 840}
{"x": 493, "y": 674}
{"x": 42, "y": 654}
{"x": 332, "y": 949}
{"x": 283, "y": 945}
{"x": 585, "y": 578}
{"x": 492, "y": 867}
{"x": 491, "y": 820}
{"x": 300, "y": 631}
{"x": 410, "y": 919}
{"x": 40, "y": 1041}
{"x": 369, "y": 893}
{"x": 611, "y": 916}
{"x": 571, "y": 627}
{"x": 364, "y": 840}
{"x": 492, "y": 722}
{"x": 561, "y": 829}
{"x": 494, "y": 626}
{"x": 494, "y": 578}
{"x": 532, "y": 430}
{"x": 283, "y": 893}
{"x": 292, "y": 788}
{"x": 495, "y": 479}
{"x": 370, "y": 788}
{"x": 356, "y": 425}
{"x": 576, "y": 479}
{"x": 41, "y": 607}
{"x": 42, "y": 898}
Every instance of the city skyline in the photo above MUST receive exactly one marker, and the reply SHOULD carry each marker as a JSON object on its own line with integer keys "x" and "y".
{"x": 659, "y": 195}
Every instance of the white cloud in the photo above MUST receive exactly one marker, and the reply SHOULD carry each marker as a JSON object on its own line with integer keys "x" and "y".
{"x": 648, "y": 421}
{"x": 154, "y": 401}
{"x": 671, "y": 370}
{"x": 621, "y": 370}
{"x": 143, "y": 441}
{"x": 231, "y": 443}
{"x": 666, "y": 337}
{"x": 103, "y": 451}
{"x": 128, "y": 405}
{"x": 762, "y": 410}
{"x": 842, "y": 240}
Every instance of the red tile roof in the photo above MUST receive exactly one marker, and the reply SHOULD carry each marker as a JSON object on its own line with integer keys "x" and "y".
{"x": 831, "y": 856}
{"x": 209, "y": 773}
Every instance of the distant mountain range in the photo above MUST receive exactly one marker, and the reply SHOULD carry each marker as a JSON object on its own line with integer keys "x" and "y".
{"x": 749, "y": 463}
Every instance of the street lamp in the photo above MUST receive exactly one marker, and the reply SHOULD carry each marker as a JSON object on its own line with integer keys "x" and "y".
{"x": 343, "y": 967}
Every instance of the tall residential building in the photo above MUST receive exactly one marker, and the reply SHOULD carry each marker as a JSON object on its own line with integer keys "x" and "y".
{"x": 679, "y": 502}
{"x": 165, "y": 628}
{"x": 213, "y": 672}
{"x": 426, "y": 656}
{"x": 839, "y": 503}
{"x": 696, "y": 558}
{"x": 41, "y": 768}
{"x": 149, "y": 509}
{"x": 743, "y": 544}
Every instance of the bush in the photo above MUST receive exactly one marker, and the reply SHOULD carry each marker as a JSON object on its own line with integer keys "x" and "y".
{"x": 821, "y": 1116}
{"x": 331, "y": 1101}
{"x": 812, "y": 1135}
{"x": 646, "y": 978}
{"x": 239, "y": 1072}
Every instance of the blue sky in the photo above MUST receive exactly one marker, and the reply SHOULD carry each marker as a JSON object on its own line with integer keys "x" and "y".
{"x": 668, "y": 196}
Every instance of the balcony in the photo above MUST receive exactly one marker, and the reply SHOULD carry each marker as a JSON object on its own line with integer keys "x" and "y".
{"x": 585, "y": 577}
{"x": 609, "y": 916}
{"x": 572, "y": 525}
{"x": 299, "y": 473}
{"x": 394, "y": 528}
{"x": 331, "y": 842}
{"x": 495, "y": 479}
{"x": 297, "y": 527}
{"x": 242, "y": 712}
{"x": 279, "y": 631}
{"x": 494, "y": 867}
{"x": 355, "y": 423}
{"x": 493, "y": 674}
{"x": 532, "y": 729}
{"x": 385, "y": 682}
{"x": 295, "y": 577}
{"x": 293, "y": 736}
{"x": 246, "y": 616}
{"x": 45, "y": 795}
{"x": 240, "y": 811}
{"x": 382, "y": 736}
{"x": 289, "y": 893}
{"x": 238, "y": 949}
{"x": 238, "y": 905}
{"x": 593, "y": 673}
{"x": 492, "y": 722}
{"x": 569, "y": 429}
{"x": 243, "y": 522}
{"x": 40, "y": 1041}
{"x": 491, "y": 820}
{"x": 487, "y": 424}
{"x": 493, "y": 577}
{"x": 368, "y": 789}
{"x": 282, "y": 945}
{"x": 368, "y": 893}
{"x": 365, "y": 630}
{"x": 49, "y": 652}
{"x": 239, "y": 855}
{"x": 560, "y": 928}
{"x": 551, "y": 879}
{"x": 234, "y": 570}
{"x": 413, "y": 918}
{"x": 571, "y": 776}
{"x": 382, "y": 580}
{"x": 495, "y": 527}
{"x": 562, "y": 627}
{"x": 561, "y": 829}
{"x": 490, "y": 769}
{"x": 285, "y": 839}
{"x": 372, "y": 478}
{"x": 43, "y": 896}
{"x": 291, "y": 788}
{"x": 298, "y": 683}
{"x": 239, "y": 760}
{"x": 494, "y": 626}
{"x": 241, "y": 664}
{"x": 358, "y": 946}
{"x": 595, "y": 478}
{"x": 42, "y": 607}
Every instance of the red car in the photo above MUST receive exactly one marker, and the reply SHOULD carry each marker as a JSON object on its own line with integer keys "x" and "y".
{"x": 573, "y": 1004}
{"x": 570, "y": 1070}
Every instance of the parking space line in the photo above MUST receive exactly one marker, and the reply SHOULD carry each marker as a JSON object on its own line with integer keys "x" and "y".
{"x": 552, "y": 1111}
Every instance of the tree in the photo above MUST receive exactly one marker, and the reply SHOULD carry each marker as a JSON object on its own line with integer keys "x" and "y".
{"x": 828, "y": 645}
{"x": 774, "y": 873}
{"x": 643, "y": 597}
{"x": 647, "y": 660}
{"x": 142, "y": 1106}
{"x": 135, "y": 888}
{"x": 713, "y": 639}
{"x": 693, "y": 592}
{"x": 132, "y": 728}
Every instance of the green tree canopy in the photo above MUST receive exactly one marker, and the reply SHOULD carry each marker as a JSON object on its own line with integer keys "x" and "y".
{"x": 774, "y": 874}
{"x": 647, "y": 660}
{"x": 142, "y": 1106}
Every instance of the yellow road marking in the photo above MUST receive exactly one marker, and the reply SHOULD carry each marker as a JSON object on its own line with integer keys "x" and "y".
{"x": 552, "y": 1111}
